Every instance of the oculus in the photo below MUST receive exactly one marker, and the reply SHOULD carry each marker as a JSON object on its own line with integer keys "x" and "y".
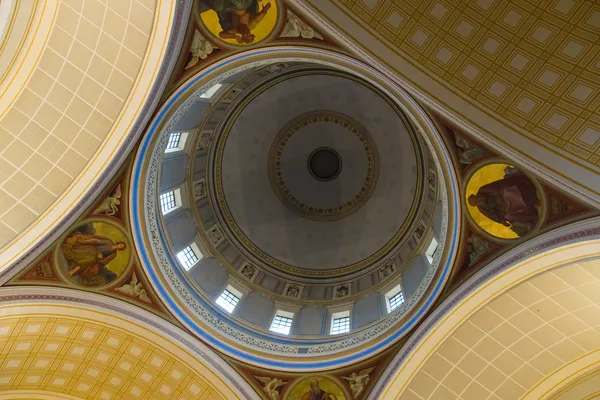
{"x": 324, "y": 164}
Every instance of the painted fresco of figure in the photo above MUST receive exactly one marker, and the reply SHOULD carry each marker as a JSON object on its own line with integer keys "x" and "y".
{"x": 88, "y": 256}
{"x": 237, "y": 17}
{"x": 315, "y": 392}
{"x": 511, "y": 201}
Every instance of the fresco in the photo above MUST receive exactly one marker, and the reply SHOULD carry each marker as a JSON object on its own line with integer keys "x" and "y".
{"x": 315, "y": 388}
{"x": 503, "y": 201}
{"x": 239, "y": 22}
{"x": 94, "y": 254}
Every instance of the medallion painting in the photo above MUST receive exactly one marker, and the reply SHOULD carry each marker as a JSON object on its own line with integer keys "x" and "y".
{"x": 239, "y": 22}
{"x": 316, "y": 388}
{"x": 94, "y": 254}
{"x": 503, "y": 201}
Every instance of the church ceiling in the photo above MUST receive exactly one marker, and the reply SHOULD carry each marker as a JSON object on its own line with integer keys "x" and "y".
{"x": 533, "y": 336}
{"x": 130, "y": 345}
{"x": 75, "y": 81}
{"x": 53, "y": 343}
{"x": 519, "y": 74}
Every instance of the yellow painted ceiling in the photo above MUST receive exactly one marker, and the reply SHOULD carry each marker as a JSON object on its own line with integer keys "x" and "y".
{"x": 585, "y": 387}
{"x": 523, "y": 73}
{"x": 528, "y": 335}
{"x": 58, "y": 351}
{"x": 71, "y": 90}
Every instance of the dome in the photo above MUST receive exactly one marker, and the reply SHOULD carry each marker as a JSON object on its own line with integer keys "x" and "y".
{"x": 295, "y": 207}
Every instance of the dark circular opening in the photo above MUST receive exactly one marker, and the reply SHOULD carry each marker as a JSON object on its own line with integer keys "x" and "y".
{"x": 324, "y": 164}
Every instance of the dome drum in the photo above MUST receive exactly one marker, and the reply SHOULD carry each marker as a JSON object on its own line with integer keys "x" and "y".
{"x": 309, "y": 195}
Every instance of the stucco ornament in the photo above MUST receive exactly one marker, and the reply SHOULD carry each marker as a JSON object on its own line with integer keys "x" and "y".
{"x": 295, "y": 27}
{"x": 271, "y": 386}
{"x": 134, "y": 289}
{"x": 200, "y": 49}
{"x": 110, "y": 205}
{"x": 358, "y": 381}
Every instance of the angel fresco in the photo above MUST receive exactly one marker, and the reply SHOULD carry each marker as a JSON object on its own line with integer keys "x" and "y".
{"x": 511, "y": 201}
{"x": 237, "y": 18}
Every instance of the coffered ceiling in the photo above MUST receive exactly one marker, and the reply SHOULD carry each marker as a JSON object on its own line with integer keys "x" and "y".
{"x": 76, "y": 74}
{"x": 521, "y": 75}
{"x": 528, "y": 333}
{"x": 70, "y": 351}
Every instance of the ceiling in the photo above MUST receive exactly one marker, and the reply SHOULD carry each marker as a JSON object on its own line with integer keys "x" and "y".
{"x": 522, "y": 76}
{"x": 270, "y": 191}
{"x": 583, "y": 388}
{"x": 515, "y": 341}
{"x": 525, "y": 326}
{"x": 76, "y": 75}
{"x": 69, "y": 349}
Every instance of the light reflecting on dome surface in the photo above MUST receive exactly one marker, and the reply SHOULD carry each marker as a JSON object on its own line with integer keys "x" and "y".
{"x": 311, "y": 192}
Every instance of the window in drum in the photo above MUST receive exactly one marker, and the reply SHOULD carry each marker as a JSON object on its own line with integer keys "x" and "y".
{"x": 282, "y": 322}
{"x": 229, "y": 299}
{"x": 340, "y": 323}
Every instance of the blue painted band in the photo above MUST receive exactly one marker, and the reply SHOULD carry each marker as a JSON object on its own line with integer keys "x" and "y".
{"x": 139, "y": 232}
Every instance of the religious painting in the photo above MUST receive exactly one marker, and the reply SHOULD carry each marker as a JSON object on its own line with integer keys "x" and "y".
{"x": 94, "y": 254}
{"x": 504, "y": 201}
{"x": 316, "y": 388}
{"x": 239, "y": 22}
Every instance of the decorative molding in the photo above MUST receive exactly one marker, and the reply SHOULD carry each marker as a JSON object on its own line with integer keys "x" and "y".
{"x": 272, "y": 386}
{"x": 352, "y": 127}
{"x": 111, "y": 204}
{"x": 200, "y": 189}
{"x": 134, "y": 289}
{"x": 248, "y": 271}
{"x": 215, "y": 236}
{"x": 293, "y": 290}
{"x": 575, "y": 233}
{"x": 206, "y": 320}
{"x": 358, "y": 381}
{"x": 341, "y": 291}
{"x": 199, "y": 49}
{"x": 387, "y": 269}
{"x": 295, "y": 27}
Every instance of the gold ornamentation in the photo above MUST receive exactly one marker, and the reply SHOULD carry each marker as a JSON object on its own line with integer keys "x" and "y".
{"x": 240, "y": 240}
{"x": 307, "y": 210}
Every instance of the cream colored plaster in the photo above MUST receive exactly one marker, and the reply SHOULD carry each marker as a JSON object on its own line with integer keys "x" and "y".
{"x": 475, "y": 64}
{"x": 85, "y": 353}
{"x": 583, "y": 387}
{"x": 76, "y": 90}
{"x": 536, "y": 318}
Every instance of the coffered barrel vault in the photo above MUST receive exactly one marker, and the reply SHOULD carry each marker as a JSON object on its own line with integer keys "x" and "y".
{"x": 524, "y": 327}
{"x": 55, "y": 343}
{"x": 76, "y": 76}
{"x": 522, "y": 77}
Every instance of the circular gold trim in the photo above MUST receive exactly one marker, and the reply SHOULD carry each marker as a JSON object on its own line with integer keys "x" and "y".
{"x": 254, "y": 254}
{"x": 542, "y": 212}
{"x": 306, "y": 210}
